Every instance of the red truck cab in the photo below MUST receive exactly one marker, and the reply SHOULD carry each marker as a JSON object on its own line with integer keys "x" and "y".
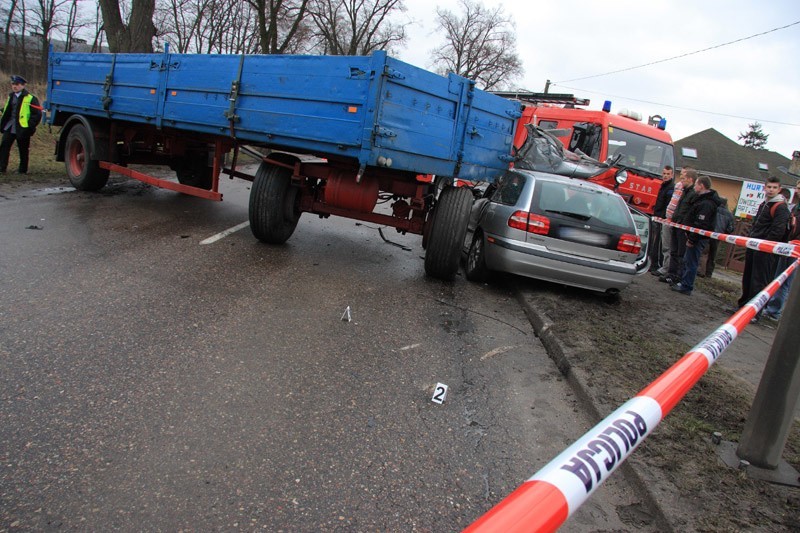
{"x": 645, "y": 147}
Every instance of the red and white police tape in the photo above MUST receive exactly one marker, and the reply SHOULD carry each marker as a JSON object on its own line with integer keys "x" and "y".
{"x": 547, "y": 499}
{"x": 779, "y": 248}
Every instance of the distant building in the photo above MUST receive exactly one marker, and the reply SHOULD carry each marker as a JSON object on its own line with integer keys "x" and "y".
{"x": 729, "y": 164}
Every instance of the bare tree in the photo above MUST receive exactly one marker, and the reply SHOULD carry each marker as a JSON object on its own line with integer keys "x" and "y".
{"x": 135, "y": 36}
{"x": 480, "y": 45}
{"x": 357, "y": 27}
{"x": 11, "y": 26}
{"x": 279, "y": 24}
{"x": 236, "y": 33}
{"x": 73, "y": 25}
{"x": 97, "y": 29}
{"x": 179, "y": 21}
{"x": 208, "y": 26}
{"x": 44, "y": 19}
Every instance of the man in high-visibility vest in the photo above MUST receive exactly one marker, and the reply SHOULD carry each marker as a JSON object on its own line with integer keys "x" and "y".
{"x": 21, "y": 114}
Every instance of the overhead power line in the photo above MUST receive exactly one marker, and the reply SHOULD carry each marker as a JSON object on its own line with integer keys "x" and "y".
{"x": 765, "y": 121}
{"x": 682, "y": 55}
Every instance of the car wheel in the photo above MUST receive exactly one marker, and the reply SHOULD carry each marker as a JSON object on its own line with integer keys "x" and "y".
{"x": 475, "y": 267}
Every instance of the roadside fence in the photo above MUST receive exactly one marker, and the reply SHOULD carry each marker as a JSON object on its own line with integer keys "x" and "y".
{"x": 546, "y": 500}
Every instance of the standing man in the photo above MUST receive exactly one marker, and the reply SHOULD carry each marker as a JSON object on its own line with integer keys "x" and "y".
{"x": 678, "y": 236}
{"x": 774, "y": 307}
{"x": 657, "y": 256}
{"x": 725, "y": 224}
{"x": 770, "y": 224}
{"x": 21, "y": 114}
{"x": 701, "y": 214}
{"x": 666, "y": 231}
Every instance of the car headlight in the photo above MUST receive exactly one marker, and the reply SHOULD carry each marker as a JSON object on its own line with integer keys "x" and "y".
{"x": 621, "y": 177}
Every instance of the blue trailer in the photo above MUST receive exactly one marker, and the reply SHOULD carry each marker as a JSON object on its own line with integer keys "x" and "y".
{"x": 340, "y": 132}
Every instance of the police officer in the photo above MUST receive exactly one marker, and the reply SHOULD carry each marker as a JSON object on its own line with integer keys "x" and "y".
{"x": 21, "y": 114}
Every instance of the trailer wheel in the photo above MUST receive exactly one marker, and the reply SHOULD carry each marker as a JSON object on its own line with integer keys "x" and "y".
{"x": 195, "y": 172}
{"x": 447, "y": 233}
{"x": 274, "y": 208}
{"x": 426, "y": 230}
{"x": 83, "y": 170}
{"x": 475, "y": 267}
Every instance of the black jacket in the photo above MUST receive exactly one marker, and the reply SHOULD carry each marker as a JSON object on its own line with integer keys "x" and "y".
{"x": 663, "y": 198}
{"x": 682, "y": 208}
{"x": 765, "y": 226}
{"x": 702, "y": 213}
{"x": 12, "y": 113}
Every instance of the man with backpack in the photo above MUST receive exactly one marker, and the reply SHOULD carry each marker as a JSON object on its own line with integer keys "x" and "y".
{"x": 724, "y": 223}
{"x": 774, "y": 308}
{"x": 770, "y": 224}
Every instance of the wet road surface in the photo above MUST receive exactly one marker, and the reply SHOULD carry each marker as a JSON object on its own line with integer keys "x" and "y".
{"x": 148, "y": 381}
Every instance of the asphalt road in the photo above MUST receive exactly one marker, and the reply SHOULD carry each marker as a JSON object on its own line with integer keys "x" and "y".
{"x": 149, "y": 381}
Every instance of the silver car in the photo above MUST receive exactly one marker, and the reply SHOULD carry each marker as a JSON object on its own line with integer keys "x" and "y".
{"x": 558, "y": 229}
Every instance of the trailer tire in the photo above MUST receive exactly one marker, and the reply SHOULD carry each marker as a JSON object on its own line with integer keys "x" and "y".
{"x": 274, "y": 209}
{"x": 83, "y": 170}
{"x": 195, "y": 172}
{"x": 447, "y": 233}
{"x": 475, "y": 266}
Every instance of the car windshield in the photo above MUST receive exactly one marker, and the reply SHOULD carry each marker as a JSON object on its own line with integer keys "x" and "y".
{"x": 581, "y": 203}
{"x": 639, "y": 152}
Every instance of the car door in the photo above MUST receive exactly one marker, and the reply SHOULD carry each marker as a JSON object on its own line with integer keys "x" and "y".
{"x": 511, "y": 195}
{"x": 642, "y": 223}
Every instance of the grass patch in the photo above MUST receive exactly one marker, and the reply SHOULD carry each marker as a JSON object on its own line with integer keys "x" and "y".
{"x": 726, "y": 290}
{"x": 620, "y": 348}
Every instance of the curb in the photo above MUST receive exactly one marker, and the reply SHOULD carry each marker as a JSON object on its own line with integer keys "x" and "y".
{"x": 577, "y": 379}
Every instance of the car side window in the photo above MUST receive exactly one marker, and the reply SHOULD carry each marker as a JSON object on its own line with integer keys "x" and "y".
{"x": 509, "y": 189}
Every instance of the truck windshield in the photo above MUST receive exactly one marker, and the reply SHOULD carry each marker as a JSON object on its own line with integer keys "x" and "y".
{"x": 639, "y": 152}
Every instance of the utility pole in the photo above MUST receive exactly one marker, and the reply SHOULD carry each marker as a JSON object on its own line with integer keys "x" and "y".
{"x": 772, "y": 413}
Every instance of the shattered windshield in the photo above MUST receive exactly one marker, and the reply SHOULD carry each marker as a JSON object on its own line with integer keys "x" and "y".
{"x": 639, "y": 152}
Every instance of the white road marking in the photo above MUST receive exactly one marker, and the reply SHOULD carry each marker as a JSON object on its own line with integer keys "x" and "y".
{"x": 410, "y": 346}
{"x": 223, "y": 234}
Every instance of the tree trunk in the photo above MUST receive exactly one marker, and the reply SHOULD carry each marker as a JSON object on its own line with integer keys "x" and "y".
{"x": 137, "y": 35}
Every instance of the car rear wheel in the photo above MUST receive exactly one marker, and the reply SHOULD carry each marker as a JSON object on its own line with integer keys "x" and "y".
{"x": 447, "y": 232}
{"x": 475, "y": 267}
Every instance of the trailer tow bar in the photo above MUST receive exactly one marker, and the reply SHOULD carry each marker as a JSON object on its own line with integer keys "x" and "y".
{"x": 162, "y": 183}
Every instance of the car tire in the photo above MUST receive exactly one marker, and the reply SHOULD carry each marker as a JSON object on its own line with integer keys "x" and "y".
{"x": 475, "y": 267}
{"x": 447, "y": 233}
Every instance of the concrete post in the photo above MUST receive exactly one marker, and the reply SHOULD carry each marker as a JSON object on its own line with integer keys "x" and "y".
{"x": 771, "y": 416}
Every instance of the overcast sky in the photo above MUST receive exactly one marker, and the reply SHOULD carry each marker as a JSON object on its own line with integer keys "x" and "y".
{"x": 725, "y": 88}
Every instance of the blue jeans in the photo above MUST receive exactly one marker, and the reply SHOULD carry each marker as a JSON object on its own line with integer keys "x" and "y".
{"x": 775, "y": 305}
{"x": 691, "y": 259}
